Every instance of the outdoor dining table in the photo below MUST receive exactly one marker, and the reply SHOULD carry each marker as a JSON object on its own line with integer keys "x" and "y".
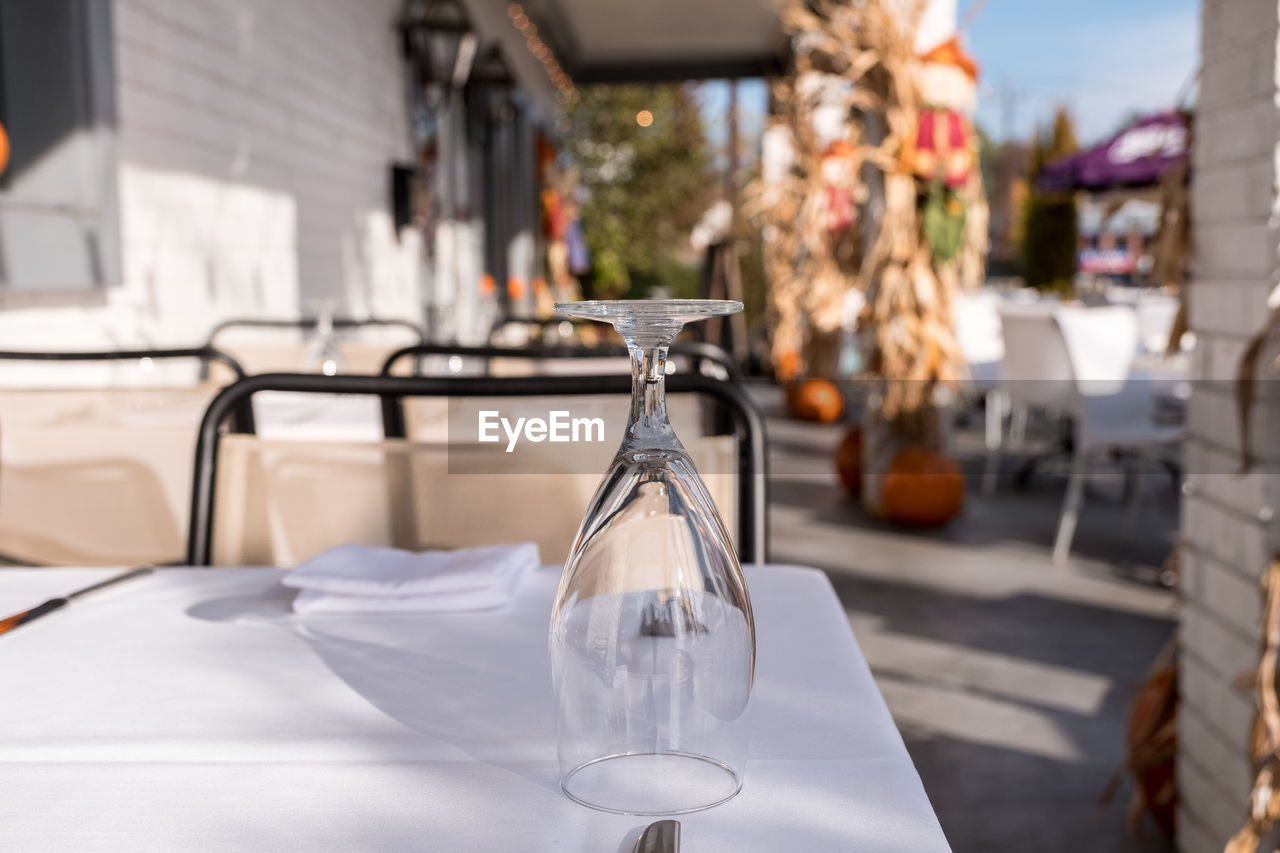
{"x": 191, "y": 710}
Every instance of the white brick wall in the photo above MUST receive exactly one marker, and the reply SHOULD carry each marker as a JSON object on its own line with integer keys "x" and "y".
{"x": 1229, "y": 523}
{"x": 254, "y": 143}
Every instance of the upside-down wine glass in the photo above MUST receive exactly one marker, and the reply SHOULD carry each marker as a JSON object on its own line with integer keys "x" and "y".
{"x": 652, "y": 639}
{"x": 323, "y": 352}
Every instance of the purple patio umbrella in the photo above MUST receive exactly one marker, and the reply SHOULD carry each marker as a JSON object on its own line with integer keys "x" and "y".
{"x": 1135, "y": 157}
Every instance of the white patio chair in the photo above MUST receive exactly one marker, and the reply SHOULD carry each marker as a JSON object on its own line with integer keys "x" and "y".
{"x": 981, "y": 341}
{"x": 1121, "y": 294}
{"x": 1077, "y": 360}
{"x": 999, "y": 403}
{"x": 978, "y": 332}
{"x": 1156, "y": 315}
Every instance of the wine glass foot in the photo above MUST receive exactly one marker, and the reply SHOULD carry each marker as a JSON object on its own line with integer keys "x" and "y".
{"x": 652, "y": 783}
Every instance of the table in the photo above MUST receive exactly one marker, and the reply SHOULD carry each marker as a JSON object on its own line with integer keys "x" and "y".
{"x": 190, "y": 710}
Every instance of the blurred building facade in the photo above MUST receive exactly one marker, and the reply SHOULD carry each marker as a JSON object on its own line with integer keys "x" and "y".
{"x": 179, "y": 162}
{"x": 245, "y": 150}
{"x": 176, "y": 162}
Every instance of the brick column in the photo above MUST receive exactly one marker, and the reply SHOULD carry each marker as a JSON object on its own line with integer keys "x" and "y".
{"x": 1229, "y": 526}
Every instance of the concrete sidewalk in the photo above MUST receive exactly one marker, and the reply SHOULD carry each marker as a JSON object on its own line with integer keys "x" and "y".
{"x": 1009, "y": 678}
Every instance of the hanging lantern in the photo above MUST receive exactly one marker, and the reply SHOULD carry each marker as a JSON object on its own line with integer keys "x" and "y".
{"x": 437, "y": 36}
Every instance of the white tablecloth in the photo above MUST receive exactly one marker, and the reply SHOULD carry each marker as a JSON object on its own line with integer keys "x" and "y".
{"x": 190, "y": 711}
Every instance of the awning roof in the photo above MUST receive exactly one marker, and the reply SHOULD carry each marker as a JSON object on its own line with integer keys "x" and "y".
{"x": 618, "y": 41}
{"x": 609, "y": 40}
{"x": 1138, "y": 156}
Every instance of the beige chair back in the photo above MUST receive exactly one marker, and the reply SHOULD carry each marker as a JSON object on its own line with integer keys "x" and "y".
{"x": 97, "y": 476}
{"x": 279, "y": 502}
{"x": 436, "y": 419}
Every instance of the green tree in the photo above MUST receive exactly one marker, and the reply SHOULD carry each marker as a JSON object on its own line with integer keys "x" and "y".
{"x": 643, "y": 163}
{"x": 1049, "y": 226}
{"x": 1036, "y": 157}
{"x": 1062, "y": 136}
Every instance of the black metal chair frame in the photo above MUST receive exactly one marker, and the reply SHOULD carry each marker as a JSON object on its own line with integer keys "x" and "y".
{"x": 243, "y": 415}
{"x": 697, "y": 352}
{"x": 308, "y": 323}
{"x": 753, "y": 457}
{"x": 543, "y": 322}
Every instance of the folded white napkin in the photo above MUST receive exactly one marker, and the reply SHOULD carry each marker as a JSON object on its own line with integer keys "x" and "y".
{"x": 354, "y": 578}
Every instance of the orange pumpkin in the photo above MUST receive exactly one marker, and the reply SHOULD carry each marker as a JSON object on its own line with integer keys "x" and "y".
{"x": 815, "y": 400}
{"x": 4, "y": 149}
{"x": 788, "y": 365}
{"x": 849, "y": 461}
{"x": 921, "y": 488}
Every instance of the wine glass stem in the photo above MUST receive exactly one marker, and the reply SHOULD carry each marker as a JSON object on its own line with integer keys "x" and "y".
{"x": 648, "y": 425}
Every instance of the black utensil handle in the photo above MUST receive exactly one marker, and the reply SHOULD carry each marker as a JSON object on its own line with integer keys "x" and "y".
{"x": 34, "y": 613}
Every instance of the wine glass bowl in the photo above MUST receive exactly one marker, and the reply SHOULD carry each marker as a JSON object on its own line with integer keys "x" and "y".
{"x": 652, "y": 639}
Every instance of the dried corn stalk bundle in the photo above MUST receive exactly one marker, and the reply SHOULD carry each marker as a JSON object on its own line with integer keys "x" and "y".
{"x": 1260, "y": 830}
{"x": 1246, "y": 383}
{"x": 972, "y": 267}
{"x": 1151, "y": 745}
{"x": 779, "y": 203}
{"x": 807, "y": 204}
{"x": 857, "y": 59}
{"x": 1171, "y": 249}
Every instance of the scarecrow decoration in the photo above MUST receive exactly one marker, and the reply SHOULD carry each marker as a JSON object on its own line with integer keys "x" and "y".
{"x": 870, "y": 183}
{"x": 942, "y": 154}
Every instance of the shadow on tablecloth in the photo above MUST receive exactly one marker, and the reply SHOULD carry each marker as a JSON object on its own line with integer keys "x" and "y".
{"x": 470, "y": 683}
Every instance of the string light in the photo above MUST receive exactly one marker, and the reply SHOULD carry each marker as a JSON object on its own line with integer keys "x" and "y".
{"x": 543, "y": 53}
